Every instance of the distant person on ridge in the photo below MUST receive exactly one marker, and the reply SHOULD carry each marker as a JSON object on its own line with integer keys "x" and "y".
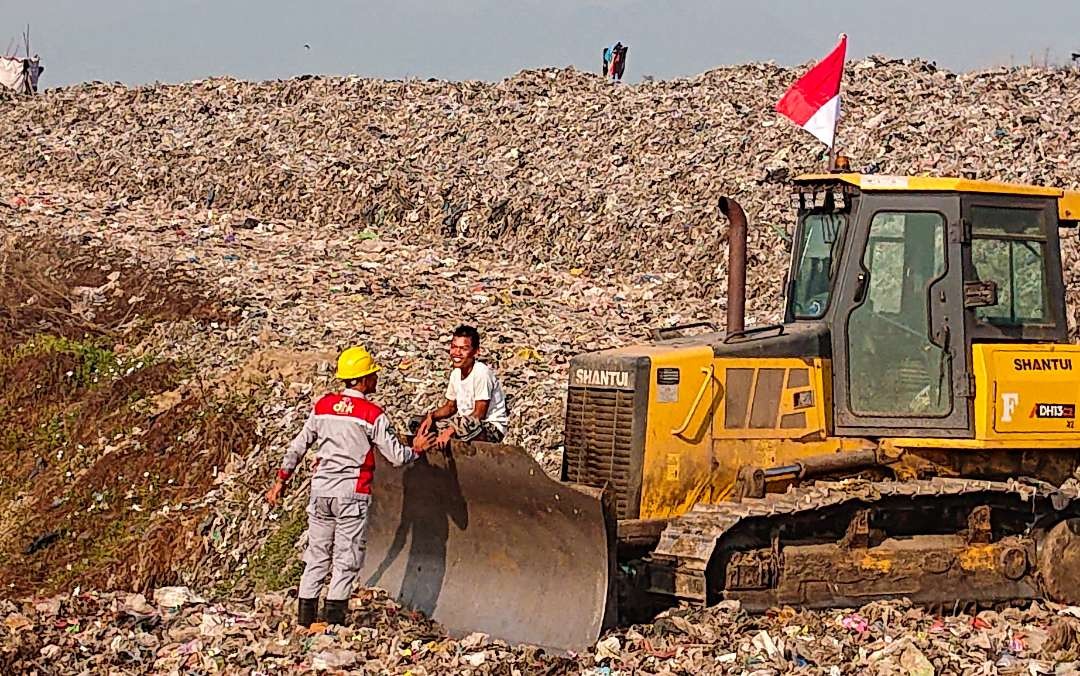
{"x": 606, "y": 68}
{"x": 618, "y": 61}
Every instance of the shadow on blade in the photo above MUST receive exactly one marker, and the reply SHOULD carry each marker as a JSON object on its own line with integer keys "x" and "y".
{"x": 481, "y": 539}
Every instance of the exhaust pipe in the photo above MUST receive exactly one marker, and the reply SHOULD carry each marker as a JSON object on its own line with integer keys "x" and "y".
{"x": 736, "y": 274}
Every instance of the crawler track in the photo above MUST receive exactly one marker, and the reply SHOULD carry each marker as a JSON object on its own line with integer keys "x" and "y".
{"x": 847, "y": 542}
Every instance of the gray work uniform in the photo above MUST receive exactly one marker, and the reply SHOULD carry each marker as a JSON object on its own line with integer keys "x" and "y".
{"x": 344, "y": 428}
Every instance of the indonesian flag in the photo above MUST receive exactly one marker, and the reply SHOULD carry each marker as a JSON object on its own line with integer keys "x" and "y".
{"x": 813, "y": 102}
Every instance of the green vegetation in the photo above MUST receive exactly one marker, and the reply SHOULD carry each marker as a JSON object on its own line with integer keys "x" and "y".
{"x": 276, "y": 565}
{"x": 52, "y": 433}
{"x": 95, "y": 363}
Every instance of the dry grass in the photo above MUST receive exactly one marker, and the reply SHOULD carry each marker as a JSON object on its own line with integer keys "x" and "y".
{"x": 65, "y": 290}
{"x": 94, "y": 474}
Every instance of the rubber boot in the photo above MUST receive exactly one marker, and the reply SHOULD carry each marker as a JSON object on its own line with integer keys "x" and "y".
{"x": 306, "y": 612}
{"x": 334, "y": 611}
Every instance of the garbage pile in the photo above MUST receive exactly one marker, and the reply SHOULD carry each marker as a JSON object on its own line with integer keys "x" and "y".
{"x": 554, "y": 211}
{"x": 174, "y": 630}
{"x": 553, "y": 166}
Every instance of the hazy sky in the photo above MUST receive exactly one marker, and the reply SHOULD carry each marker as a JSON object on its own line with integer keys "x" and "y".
{"x": 138, "y": 41}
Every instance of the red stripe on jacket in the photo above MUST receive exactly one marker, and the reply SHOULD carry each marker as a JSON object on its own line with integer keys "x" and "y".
{"x": 366, "y": 473}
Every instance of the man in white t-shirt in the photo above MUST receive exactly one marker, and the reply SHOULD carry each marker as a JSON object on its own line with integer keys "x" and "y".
{"x": 475, "y": 407}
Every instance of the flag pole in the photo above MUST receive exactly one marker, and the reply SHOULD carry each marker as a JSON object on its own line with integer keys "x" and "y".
{"x": 832, "y": 148}
{"x": 836, "y": 122}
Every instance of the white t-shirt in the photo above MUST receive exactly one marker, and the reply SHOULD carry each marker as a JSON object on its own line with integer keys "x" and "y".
{"x": 481, "y": 384}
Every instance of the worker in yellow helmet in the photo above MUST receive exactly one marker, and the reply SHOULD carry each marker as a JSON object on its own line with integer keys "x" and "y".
{"x": 344, "y": 427}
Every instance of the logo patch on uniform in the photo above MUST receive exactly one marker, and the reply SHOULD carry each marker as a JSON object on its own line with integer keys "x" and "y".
{"x": 1053, "y": 411}
{"x": 344, "y": 406}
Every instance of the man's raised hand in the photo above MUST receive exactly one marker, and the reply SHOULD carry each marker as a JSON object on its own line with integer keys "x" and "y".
{"x": 422, "y": 441}
{"x": 425, "y": 425}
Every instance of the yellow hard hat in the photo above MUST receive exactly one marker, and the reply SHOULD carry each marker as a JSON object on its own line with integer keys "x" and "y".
{"x": 355, "y": 362}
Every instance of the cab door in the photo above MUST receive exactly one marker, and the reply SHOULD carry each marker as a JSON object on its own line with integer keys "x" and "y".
{"x": 900, "y": 365}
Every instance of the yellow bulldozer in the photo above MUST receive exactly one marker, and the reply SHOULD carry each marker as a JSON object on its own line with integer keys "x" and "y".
{"x": 907, "y": 431}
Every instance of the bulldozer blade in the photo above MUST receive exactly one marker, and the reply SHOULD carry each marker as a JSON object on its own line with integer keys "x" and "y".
{"x": 480, "y": 539}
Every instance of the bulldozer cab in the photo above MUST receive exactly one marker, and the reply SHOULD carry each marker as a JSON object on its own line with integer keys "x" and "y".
{"x": 906, "y": 273}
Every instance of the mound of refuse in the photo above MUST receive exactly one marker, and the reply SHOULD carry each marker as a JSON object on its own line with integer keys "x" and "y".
{"x": 182, "y": 263}
{"x": 549, "y": 165}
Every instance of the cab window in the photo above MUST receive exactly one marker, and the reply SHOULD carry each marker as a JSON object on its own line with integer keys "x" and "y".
{"x": 815, "y": 264}
{"x": 902, "y": 373}
{"x": 1008, "y": 247}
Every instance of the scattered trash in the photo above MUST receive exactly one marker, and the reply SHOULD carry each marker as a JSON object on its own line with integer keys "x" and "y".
{"x": 255, "y": 634}
{"x": 854, "y": 622}
{"x": 914, "y": 662}
{"x": 334, "y": 659}
{"x": 608, "y": 649}
{"x": 390, "y": 212}
{"x": 175, "y": 597}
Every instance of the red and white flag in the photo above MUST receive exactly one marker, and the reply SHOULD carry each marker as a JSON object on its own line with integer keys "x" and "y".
{"x": 813, "y": 102}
